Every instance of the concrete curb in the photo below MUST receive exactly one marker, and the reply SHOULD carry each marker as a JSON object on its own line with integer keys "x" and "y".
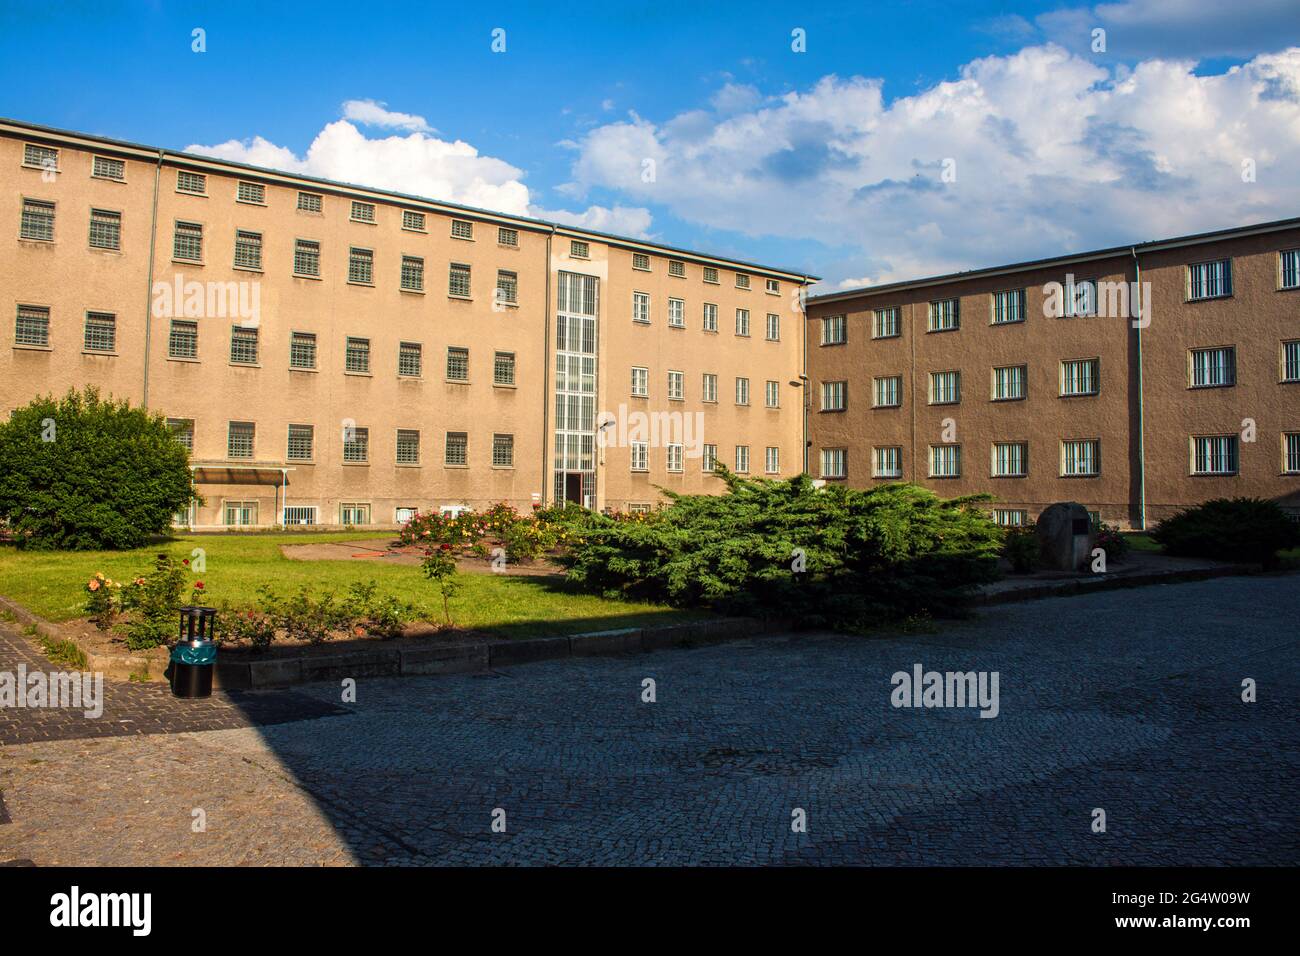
{"x": 1111, "y": 582}
{"x": 121, "y": 668}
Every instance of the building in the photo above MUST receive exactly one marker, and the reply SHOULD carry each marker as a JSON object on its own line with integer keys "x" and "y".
{"x": 339, "y": 355}
{"x": 1136, "y": 380}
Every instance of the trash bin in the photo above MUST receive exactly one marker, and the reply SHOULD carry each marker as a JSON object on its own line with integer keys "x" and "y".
{"x": 195, "y": 654}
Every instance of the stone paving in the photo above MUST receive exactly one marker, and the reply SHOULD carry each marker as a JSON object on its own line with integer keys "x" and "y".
{"x": 1128, "y": 701}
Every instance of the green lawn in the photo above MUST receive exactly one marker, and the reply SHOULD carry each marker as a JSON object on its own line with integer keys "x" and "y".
{"x": 52, "y": 584}
{"x": 1141, "y": 541}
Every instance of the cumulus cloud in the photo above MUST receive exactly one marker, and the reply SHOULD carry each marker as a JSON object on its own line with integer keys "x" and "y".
{"x": 619, "y": 220}
{"x": 1021, "y": 156}
{"x": 370, "y": 113}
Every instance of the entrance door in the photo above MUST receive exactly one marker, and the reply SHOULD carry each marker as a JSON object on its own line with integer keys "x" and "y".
{"x": 573, "y": 488}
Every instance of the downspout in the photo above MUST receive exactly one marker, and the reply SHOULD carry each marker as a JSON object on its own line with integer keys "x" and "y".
{"x": 148, "y": 299}
{"x": 546, "y": 368}
{"x": 803, "y": 373}
{"x": 911, "y": 364}
{"x": 1142, "y": 451}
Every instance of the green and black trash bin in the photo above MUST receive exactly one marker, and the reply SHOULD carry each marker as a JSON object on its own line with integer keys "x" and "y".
{"x": 195, "y": 653}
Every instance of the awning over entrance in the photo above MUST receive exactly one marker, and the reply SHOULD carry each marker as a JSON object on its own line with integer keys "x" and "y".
{"x": 255, "y": 473}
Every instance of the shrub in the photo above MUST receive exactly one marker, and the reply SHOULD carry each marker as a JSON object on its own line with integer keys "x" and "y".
{"x": 1021, "y": 549}
{"x": 1230, "y": 529}
{"x": 156, "y": 602}
{"x": 439, "y": 566}
{"x": 81, "y": 473}
{"x": 244, "y": 625}
{"x": 1110, "y": 540}
{"x": 381, "y": 616}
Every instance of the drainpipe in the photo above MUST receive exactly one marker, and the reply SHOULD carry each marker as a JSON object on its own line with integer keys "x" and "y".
{"x": 1142, "y": 451}
{"x": 546, "y": 368}
{"x": 911, "y": 362}
{"x": 803, "y": 373}
{"x": 148, "y": 299}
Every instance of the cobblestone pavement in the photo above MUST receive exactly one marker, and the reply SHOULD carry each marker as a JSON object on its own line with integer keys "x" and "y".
{"x": 1127, "y": 701}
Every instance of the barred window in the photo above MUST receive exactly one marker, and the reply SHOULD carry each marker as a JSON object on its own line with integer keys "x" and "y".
{"x": 354, "y": 513}
{"x": 183, "y": 339}
{"x": 834, "y": 330}
{"x": 640, "y": 456}
{"x": 674, "y": 457}
{"x": 356, "y": 355}
{"x": 196, "y": 184}
{"x": 834, "y": 396}
{"x": 1080, "y": 458}
{"x": 676, "y": 386}
{"x": 101, "y": 332}
{"x": 742, "y": 281}
{"x": 945, "y": 388}
{"x": 887, "y": 461}
{"x": 356, "y": 445}
{"x": 1080, "y": 377}
{"x": 742, "y": 391}
{"x": 677, "y": 268}
{"x": 363, "y": 211}
{"x": 1291, "y": 361}
{"x": 772, "y": 394}
{"x": 101, "y": 167}
{"x": 105, "y": 229}
{"x": 507, "y": 237}
{"x": 640, "y": 382}
{"x": 1010, "y": 459}
{"x": 1080, "y": 297}
{"x": 507, "y": 287}
{"x": 187, "y": 242}
{"x": 243, "y": 345}
{"x": 361, "y": 266}
{"x": 579, "y": 250}
{"x": 710, "y": 320}
{"x": 1008, "y": 306}
{"x": 410, "y": 359}
{"x": 240, "y": 437}
{"x": 742, "y": 459}
{"x": 37, "y": 221}
{"x": 458, "y": 364}
{"x": 32, "y": 326}
{"x": 412, "y": 273}
{"x": 1291, "y": 453}
{"x": 1010, "y": 517}
{"x": 503, "y": 451}
{"x": 182, "y": 430}
{"x": 300, "y": 514}
{"x": 1290, "y": 265}
{"x": 773, "y": 327}
{"x": 640, "y": 262}
{"x": 1214, "y": 455}
{"x": 309, "y": 202}
{"x": 834, "y": 462}
{"x": 251, "y": 192}
{"x": 458, "y": 283}
{"x": 945, "y": 461}
{"x": 462, "y": 229}
{"x": 1214, "y": 368}
{"x": 710, "y": 275}
{"x": 641, "y": 307}
{"x": 1209, "y": 280}
{"x": 886, "y": 323}
{"x": 709, "y": 387}
{"x": 302, "y": 350}
{"x": 457, "y": 449}
{"x": 248, "y": 250}
{"x": 301, "y": 440}
{"x": 408, "y": 446}
{"x": 945, "y": 315}
{"x": 1009, "y": 382}
{"x": 503, "y": 368}
{"x": 412, "y": 220}
{"x": 742, "y": 321}
{"x": 42, "y": 157}
{"x": 888, "y": 391}
{"x": 306, "y": 257}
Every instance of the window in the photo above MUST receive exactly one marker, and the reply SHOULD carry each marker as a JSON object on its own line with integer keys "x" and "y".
{"x": 709, "y": 387}
{"x": 674, "y": 457}
{"x": 241, "y": 512}
{"x": 363, "y": 212}
{"x": 457, "y": 449}
{"x": 306, "y": 258}
{"x": 1080, "y": 458}
{"x": 772, "y": 460}
{"x": 772, "y": 394}
{"x": 1010, "y": 517}
{"x": 834, "y": 396}
{"x": 187, "y": 242}
{"x": 888, "y": 392}
{"x": 1214, "y": 368}
{"x": 458, "y": 364}
{"x": 101, "y": 167}
{"x": 676, "y": 387}
{"x": 742, "y": 459}
{"x": 183, "y": 340}
{"x": 243, "y": 345}
{"x": 1291, "y": 361}
{"x": 354, "y": 514}
{"x": 356, "y": 445}
{"x": 1291, "y": 453}
{"x": 641, "y": 307}
{"x": 301, "y": 441}
{"x": 742, "y": 321}
{"x": 773, "y": 287}
{"x": 507, "y": 287}
{"x": 945, "y": 461}
{"x": 1010, "y": 459}
{"x": 1080, "y": 297}
{"x": 32, "y": 326}
{"x": 40, "y": 157}
{"x": 886, "y": 323}
{"x": 677, "y": 268}
{"x": 677, "y": 313}
{"x": 503, "y": 368}
{"x": 742, "y": 282}
{"x": 834, "y": 462}
{"x": 248, "y": 250}
{"x": 356, "y": 355}
{"x": 773, "y": 327}
{"x": 579, "y": 250}
{"x": 640, "y": 456}
{"x": 182, "y": 430}
{"x": 945, "y": 315}
{"x": 742, "y": 391}
{"x": 251, "y": 192}
{"x": 412, "y": 278}
{"x": 309, "y": 202}
{"x": 300, "y": 514}
{"x": 1214, "y": 455}
{"x": 508, "y": 237}
{"x": 1080, "y": 377}
{"x": 101, "y": 332}
{"x": 302, "y": 350}
{"x": 640, "y": 382}
{"x": 105, "y": 229}
{"x": 361, "y": 266}
{"x": 458, "y": 284}
{"x": 711, "y": 275}
{"x": 640, "y": 262}
{"x": 1290, "y": 265}
{"x": 709, "y": 459}
{"x": 887, "y": 461}
{"x": 412, "y": 220}
{"x": 1009, "y": 382}
{"x": 710, "y": 320}
{"x": 408, "y": 446}
{"x": 1209, "y": 280}
{"x": 410, "y": 359}
{"x": 834, "y": 330}
{"x": 945, "y": 388}
{"x": 1008, "y": 306}
{"x": 240, "y": 439}
{"x": 196, "y": 184}
{"x": 503, "y": 451}
{"x": 462, "y": 229}
{"x": 37, "y": 221}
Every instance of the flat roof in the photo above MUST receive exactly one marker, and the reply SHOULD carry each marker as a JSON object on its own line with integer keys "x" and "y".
{"x": 545, "y": 224}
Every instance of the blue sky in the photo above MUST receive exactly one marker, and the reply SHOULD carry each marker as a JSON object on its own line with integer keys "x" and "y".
{"x": 909, "y": 138}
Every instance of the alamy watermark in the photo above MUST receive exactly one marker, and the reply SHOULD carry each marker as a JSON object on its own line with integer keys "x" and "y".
{"x": 74, "y": 690}
{"x": 922, "y": 688}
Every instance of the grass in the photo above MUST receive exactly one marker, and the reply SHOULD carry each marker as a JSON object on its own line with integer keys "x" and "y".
{"x": 1141, "y": 541}
{"x": 63, "y": 653}
{"x": 52, "y": 584}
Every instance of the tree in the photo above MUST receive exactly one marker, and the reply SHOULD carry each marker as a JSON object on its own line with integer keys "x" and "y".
{"x": 85, "y": 473}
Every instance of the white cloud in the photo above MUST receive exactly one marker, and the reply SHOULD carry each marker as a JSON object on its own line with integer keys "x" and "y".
{"x": 370, "y": 113}
{"x": 620, "y": 220}
{"x": 1053, "y": 153}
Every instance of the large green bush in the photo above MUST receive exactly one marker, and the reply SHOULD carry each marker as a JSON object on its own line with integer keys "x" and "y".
{"x": 833, "y": 556}
{"x": 85, "y": 473}
{"x": 1230, "y": 529}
